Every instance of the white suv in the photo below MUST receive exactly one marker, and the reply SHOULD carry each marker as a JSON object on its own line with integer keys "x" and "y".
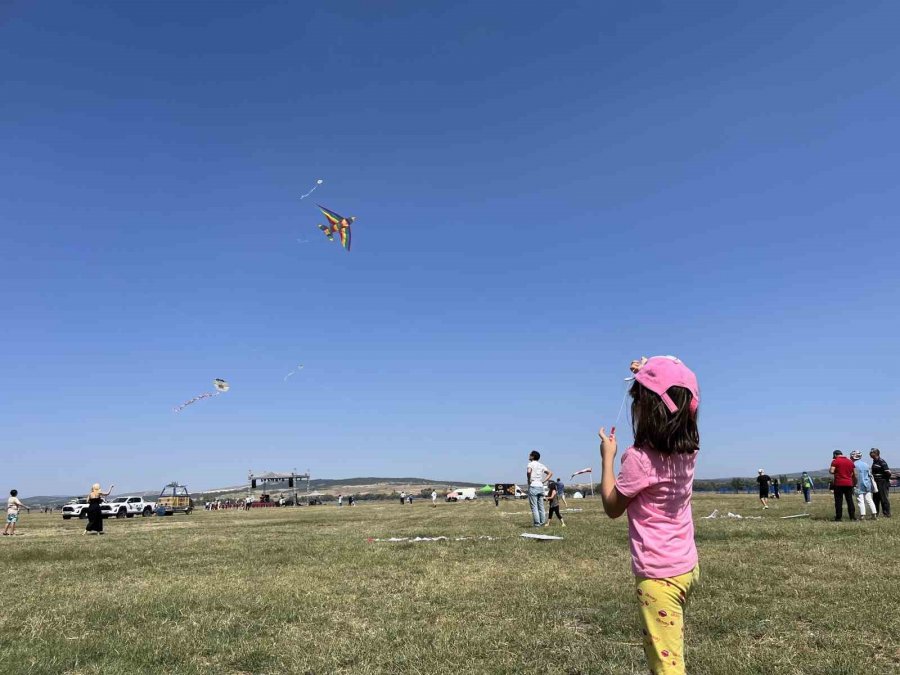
{"x": 78, "y": 508}
{"x": 130, "y": 507}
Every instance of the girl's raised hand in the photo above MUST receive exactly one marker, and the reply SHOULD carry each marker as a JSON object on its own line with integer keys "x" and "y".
{"x": 608, "y": 446}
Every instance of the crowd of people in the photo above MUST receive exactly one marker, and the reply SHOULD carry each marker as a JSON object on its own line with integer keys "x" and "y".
{"x": 854, "y": 482}
{"x": 869, "y": 484}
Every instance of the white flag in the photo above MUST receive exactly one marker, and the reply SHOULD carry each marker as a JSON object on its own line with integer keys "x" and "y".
{"x": 587, "y": 470}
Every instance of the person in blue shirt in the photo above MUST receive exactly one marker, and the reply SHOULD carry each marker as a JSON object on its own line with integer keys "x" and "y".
{"x": 864, "y": 485}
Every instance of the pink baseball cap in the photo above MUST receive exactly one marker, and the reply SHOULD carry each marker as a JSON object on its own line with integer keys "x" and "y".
{"x": 662, "y": 372}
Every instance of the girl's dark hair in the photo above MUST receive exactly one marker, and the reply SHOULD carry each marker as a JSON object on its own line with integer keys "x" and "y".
{"x": 657, "y": 428}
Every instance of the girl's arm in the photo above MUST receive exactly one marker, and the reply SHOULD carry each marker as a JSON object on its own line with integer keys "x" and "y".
{"x": 614, "y": 502}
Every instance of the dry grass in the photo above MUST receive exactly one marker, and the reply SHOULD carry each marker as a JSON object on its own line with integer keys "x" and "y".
{"x": 305, "y": 591}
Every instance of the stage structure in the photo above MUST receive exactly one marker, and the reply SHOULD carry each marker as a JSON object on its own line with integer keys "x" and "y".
{"x": 272, "y": 479}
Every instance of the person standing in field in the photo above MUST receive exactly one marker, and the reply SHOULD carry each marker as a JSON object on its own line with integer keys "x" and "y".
{"x": 844, "y": 476}
{"x": 536, "y": 474}
{"x": 654, "y": 486}
{"x": 763, "y": 480}
{"x": 94, "y": 513}
{"x": 865, "y": 484}
{"x": 806, "y": 484}
{"x": 553, "y": 501}
{"x": 776, "y": 485}
{"x": 434, "y": 499}
{"x": 402, "y": 498}
{"x": 340, "y": 500}
{"x": 882, "y": 474}
{"x": 12, "y": 513}
{"x": 561, "y": 491}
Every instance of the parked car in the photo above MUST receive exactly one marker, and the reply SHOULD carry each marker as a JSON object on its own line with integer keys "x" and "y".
{"x": 461, "y": 495}
{"x": 77, "y": 508}
{"x": 129, "y": 507}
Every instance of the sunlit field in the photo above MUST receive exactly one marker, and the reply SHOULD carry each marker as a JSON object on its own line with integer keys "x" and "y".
{"x": 309, "y": 590}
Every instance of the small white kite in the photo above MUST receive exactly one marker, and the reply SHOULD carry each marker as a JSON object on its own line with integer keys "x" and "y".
{"x": 221, "y": 387}
{"x": 318, "y": 183}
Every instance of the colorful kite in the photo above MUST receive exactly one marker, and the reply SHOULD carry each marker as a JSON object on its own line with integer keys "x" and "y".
{"x": 221, "y": 387}
{"x": 337, "y": 224}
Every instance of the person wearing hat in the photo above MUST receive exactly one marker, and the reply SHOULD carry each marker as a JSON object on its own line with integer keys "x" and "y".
{"x": 654, "y": 486}
{"x": 763, "y": 479}
{"x": 844, "y": 478}
{"x": 882, "y": 474}
{"x": 865, "y": 484}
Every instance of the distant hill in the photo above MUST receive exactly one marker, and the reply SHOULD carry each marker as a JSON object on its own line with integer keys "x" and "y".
{"x": 321, "y": 483}
{"x": 373, "y": 485}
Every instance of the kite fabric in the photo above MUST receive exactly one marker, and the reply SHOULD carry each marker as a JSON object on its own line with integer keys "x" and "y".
{"x": 394, "y": 540}
{"x": 540, "y": 537}
{"x": 221, "y": 387}
{"x": 578, "y": 473}
{"x": 295, "y": 370}
{"x": 337, "y": 224}
{"x": 318, "y": 183}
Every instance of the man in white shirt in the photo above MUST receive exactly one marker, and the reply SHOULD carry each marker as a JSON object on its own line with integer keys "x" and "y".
{"x": 433, "y": 498}
{"x": 12, "y": 512}
{"x": 537, "y": 474}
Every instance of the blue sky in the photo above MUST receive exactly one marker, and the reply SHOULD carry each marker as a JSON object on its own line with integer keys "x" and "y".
{"x": 544, "y": 192}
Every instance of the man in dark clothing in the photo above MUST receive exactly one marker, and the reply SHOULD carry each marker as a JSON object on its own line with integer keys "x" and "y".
{"x": 763, "y": 480}
{"x": 776, "y": 484}
{"x": 882, "y": 474}
{"x": 844, "y": 473}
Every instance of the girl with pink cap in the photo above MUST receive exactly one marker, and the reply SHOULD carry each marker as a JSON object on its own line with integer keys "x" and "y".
{"x": 654, "y": 486}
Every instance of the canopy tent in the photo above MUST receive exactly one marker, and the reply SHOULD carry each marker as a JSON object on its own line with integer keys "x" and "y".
{"x": 486, "y": 489}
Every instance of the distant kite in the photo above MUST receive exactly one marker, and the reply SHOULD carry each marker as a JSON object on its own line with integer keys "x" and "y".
{"x": 318, "y": 183}
{"x": 337, "y": 224}
{"x": 295, "y": 370}
{"x": 221, "y": 387}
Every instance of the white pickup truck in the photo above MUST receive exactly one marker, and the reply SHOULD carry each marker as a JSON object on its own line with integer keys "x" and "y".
{"x": 130, "y": 507}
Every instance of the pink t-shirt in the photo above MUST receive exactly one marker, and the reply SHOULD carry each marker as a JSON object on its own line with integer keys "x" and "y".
{"x": 660, "y": 527}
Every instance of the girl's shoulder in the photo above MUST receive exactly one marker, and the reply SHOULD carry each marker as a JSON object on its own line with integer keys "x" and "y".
{"x": 657, "y": 458}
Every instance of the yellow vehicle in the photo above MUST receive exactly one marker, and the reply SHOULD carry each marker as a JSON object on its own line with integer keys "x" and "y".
{"x": 174, "y": 498}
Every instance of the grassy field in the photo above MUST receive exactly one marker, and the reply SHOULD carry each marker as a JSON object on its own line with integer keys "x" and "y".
{"x": 307, "y": 591}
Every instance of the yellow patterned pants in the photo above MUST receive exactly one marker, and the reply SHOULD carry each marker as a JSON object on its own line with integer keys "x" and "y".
{"x": 662, "y": 618}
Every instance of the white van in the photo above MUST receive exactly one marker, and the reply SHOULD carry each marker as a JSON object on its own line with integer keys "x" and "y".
{"x": 461, "y": 495}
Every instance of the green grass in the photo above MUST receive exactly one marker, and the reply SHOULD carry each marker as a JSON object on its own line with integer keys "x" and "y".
{"x": 304, "y": 591}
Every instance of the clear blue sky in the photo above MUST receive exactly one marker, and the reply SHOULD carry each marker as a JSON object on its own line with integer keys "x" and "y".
{"x": 544, "y": 191}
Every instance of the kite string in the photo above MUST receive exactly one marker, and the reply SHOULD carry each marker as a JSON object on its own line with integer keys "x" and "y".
{"x": 207, "y": 394}
{"x": 621, "y": 408}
